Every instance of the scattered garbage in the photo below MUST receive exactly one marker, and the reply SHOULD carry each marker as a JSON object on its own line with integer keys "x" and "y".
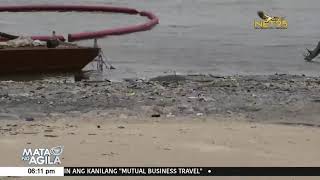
{"x": 37, "y": 43}
{"x": 170, "y": 115}
{"x": 22, "y": 41}
{"x": 199, "y": 114}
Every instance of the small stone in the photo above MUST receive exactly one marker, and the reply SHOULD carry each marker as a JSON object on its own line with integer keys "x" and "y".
{"x": 155, "y": 115}
{"x": 39, "y": 88}
{"x": 50, "y": 136}
{"x": 98, "y": 126}
{"x": 121, "y": 127}
{"x": 316, "y": 100}
{"x": 29, "y": 119}
{"x": 109, "y": 154}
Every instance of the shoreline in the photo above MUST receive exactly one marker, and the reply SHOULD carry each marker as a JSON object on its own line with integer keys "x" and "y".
{"x": 291, "y": 99}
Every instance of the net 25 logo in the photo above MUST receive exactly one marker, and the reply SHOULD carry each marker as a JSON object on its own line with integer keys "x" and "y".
{"x": 270, "y": 22}
{"x": 43, "y": 156}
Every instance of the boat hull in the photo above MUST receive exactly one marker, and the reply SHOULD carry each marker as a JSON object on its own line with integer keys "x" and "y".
{"x": 35, "y": 60}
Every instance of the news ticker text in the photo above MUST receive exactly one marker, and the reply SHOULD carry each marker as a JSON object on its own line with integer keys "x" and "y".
{"x": 159, "y": 171}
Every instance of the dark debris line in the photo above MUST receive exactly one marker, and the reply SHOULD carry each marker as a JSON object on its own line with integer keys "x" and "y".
{"x": 257, "y": 97}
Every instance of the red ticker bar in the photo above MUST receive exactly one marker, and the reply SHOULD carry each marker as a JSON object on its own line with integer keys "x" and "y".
{"x": 192, "y": 171}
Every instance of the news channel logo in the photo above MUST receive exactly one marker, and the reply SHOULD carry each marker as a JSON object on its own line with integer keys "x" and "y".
{"x": 43, "y": 156}
{"x": 270, "y": 22}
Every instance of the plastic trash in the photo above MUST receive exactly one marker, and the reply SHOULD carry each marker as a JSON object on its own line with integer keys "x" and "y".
{"x": 39, "y": 43}
{"x": 20, "y": 42}
{"x": 3, "y": 45}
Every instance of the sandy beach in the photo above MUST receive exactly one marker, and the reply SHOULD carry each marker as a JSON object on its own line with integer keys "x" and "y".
{"x": 211, "y": 141}
{"x": 165, "y": 121}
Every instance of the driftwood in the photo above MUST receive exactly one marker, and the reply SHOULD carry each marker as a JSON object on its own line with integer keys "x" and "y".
{"x": 312, "y": 54}
{"x": 8, "y": 36}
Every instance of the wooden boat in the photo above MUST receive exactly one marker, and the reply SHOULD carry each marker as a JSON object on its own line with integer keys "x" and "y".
{"x": 44, "y": 59}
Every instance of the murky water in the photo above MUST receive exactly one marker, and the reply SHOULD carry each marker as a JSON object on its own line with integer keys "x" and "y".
{"x": 194, "y": 36}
